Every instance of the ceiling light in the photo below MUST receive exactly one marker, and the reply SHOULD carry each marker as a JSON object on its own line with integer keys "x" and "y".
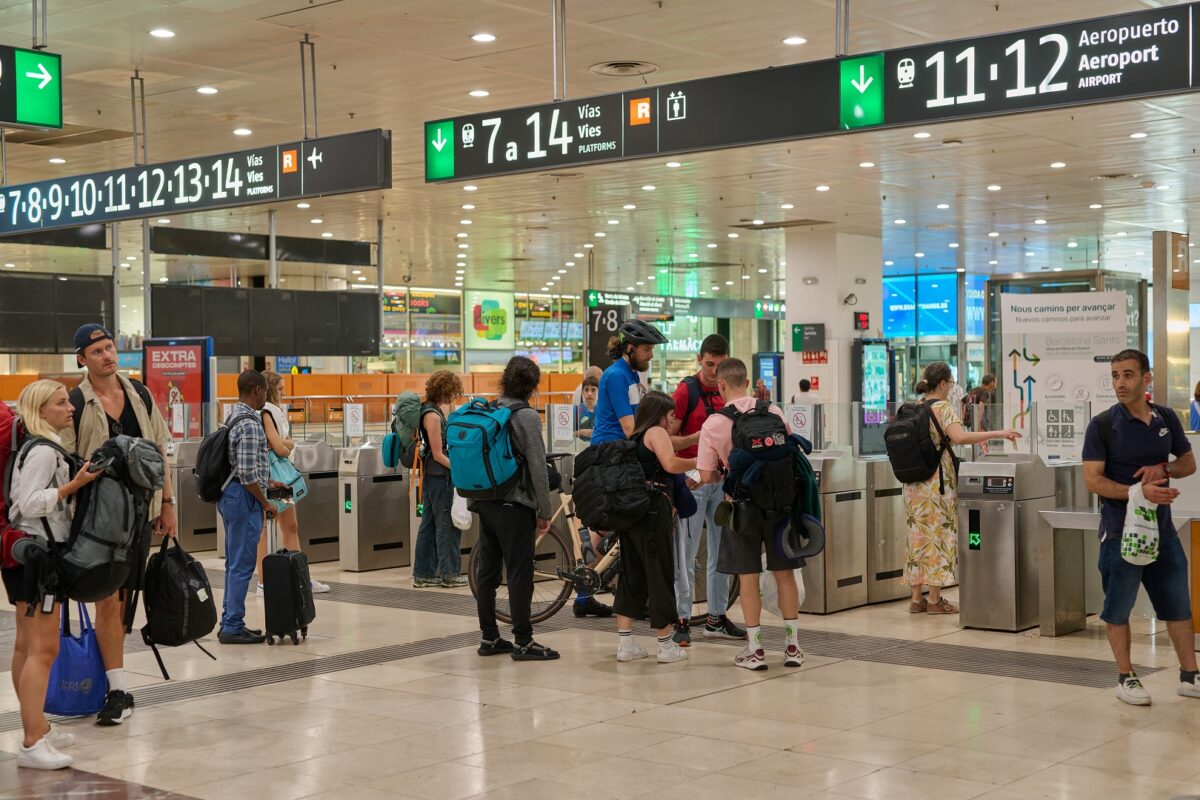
{"x": 316, "y": 220}
{"x": 11, "y": 265}
{"x": 711, "y": 245}
{"x": 1122, "y": 233}
{"x": 569, "y": 264}
{"x": 131, "y": 258}
{"x": 578, "y": 255}
{"x": 918, "y": 254}
{"x": 163, "y": 279}
{"x": 463, "y": 246}
{"x": 464, "y": 222}
{"x": 1072, "y": 244}
{"x": 641, "y": 283}
{"x": 954, "y": 245}
{"x": 468, "y": 207}
{"x": 589, "y": 246}
{"x": 162, "y": 33}
{"x": 745, "y": 277}
{"x": 1140, "y": 253}
{"x": 787, "y": 206}
{"x": 356, "y": 272}
{"x": 732, "y": 235}
{"x": 460, "y": 263}
{"x": 461, "y": 235}
{"x": 242, "y": 131}
{"x": 1138, "y": 135}
{"x": 629, "y": 206}
{"x": 1058, "y": 164}
{"x": 206, "y": 90}
{"x": 889, "y": 263}
{"x": 555, "y": 277}
{"x": 327, "y": 235}
{"x": 631, "y": 288}
{"x": 1177, "y": 222}
{"x": 1095, "y": 206}
{"x": 649, "y": 187}
{"x": 993, "y": 234}
{"x": 57, "y": 160}
{"x": 961, "y": 269}
{"x": 943, "y": 206}
{"x": 562, "y": 272}
{"x": 163, "y": 221}
{"x": 866, "y": 164}
{"x": 900, "y": 221}
{"x": 993, "y": 262}
{"x": 994, "y": 187}
{"x": 362, "y": 277}
{"x": 701, "y": 292}
{"x": 1162, "y": 187}
{"x": 479, "y": 93}
{"x": 794, "y": 41}
{"x": 674, "y": 164}
{"x": 762, "y": 270}
{"x": 470, "y": 187}
{"x": 303, "y": 205}
{"x": 823, "y": 188}
{"x": 614, "y": 222}
{"x": 1029, "y": 254}
{"x": 651, "y": 277}
{"x": 483, "y": 37}
{"x": 600, "y": 234}
{"x": 922, "y": 135}
{"x": 693, "y": 255}
{"x": 459, "y": 271}
{"x": 756, "y": 222}
{"x": 1039, "y": 221}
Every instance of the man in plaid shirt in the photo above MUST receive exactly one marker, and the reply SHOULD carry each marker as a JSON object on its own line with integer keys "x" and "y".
{"x": 243, "y": 505}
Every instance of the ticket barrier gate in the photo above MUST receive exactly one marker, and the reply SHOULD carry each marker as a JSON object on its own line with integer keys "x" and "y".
{"x": 197, "y": 519}
{"x": 887, "y": 532}
{"x": 373, "y": 515}
{"x": 837, "y": 578}
{"x": 317, "y": 514}
{"x": 998, "y": 505}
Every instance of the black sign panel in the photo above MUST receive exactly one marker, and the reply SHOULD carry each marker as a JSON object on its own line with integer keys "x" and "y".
{"x": 226, "y": 320}
{"x": 603, "y": 322}
{"x": 272, "y": 322}
{"x": 316, "y": 324}
{"x": 39, "y": 313}
{"x": 177, "y": 311}
{"x": 352, "y": 162}
{"x": 358, "y": 323}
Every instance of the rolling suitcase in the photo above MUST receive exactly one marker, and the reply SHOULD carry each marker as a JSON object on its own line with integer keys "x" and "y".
{"x": 287, "y": 589}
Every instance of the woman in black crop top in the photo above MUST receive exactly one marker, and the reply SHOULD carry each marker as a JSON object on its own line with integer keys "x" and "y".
{"x": 647, "y": 549}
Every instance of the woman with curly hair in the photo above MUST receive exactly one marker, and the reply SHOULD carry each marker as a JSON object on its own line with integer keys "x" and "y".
{"x": 437, "y": 557}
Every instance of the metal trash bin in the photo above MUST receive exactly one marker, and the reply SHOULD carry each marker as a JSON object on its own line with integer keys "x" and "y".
{"x": 837, "y": 579}
{"x": 317, "y": 514}
{"x": 373, "y": 520}
{"x": 197, "y": 519}
{"x": 998, "y": 504}
{"x": 887, "y": 532}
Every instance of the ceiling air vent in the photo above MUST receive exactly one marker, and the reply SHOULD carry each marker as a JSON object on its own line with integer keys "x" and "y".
{"x": 1117, "y": 176}
{"x": 785, "y": 223}
{"x": 69, "y": 136}
{"x": 624, "y": 69}
{"x": 564, "y": 176}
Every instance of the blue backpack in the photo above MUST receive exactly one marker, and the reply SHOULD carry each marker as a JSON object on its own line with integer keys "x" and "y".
{"x": 483, "y": 462}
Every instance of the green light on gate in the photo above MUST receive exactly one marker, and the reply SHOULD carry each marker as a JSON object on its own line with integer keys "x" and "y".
{"x": 860, "y": 87}
{"x": 973, "y": 540}
{"x": 349, "y": 506}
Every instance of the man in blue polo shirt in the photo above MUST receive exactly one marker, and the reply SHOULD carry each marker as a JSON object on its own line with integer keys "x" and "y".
{"x": 621, "y": 388}
{"x": 1132, "y": 442}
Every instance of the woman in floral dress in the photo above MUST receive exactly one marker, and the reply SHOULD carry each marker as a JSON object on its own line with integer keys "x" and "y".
{"x": 931, "y": 507}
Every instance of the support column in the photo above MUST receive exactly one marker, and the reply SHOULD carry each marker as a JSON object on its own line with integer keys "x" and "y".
{"x": 379, "y": 275}
{"x": 272, "y": 261}
{"x": 821, "y": 272}
{"x": 114, "y": 231}
{"x": 1171, "y": 281}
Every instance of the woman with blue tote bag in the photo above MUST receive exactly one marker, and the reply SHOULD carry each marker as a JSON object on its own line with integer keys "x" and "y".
{"x": 40, "y": 506}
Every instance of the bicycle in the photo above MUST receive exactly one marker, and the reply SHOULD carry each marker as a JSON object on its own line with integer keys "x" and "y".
{"x": 559, "y": 572}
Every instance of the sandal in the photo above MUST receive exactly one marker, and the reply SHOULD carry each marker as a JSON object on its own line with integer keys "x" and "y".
{"x": 918, "y": 608}
{"x": 942, "y": 606}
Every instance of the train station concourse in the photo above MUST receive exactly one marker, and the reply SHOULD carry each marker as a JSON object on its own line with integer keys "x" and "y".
{"x": 635, "y": 400}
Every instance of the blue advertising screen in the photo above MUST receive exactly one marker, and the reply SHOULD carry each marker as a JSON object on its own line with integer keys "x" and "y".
{"x": 935, "y": 297}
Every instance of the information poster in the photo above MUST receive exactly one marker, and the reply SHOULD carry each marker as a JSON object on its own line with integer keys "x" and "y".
{"x": 1060, "y": 430}
{"x": 489, "y": 323}
{"x": 1056, "y": 350}
{"x": 354, "y": 420}
{"x": 175, "y": 371}
{"x": 562, "y": 422}
{"x": 801, "y": 418}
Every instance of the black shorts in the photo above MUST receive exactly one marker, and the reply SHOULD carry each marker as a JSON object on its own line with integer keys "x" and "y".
{"x": 14, "y": 584}
{"x": 741, "y": 553}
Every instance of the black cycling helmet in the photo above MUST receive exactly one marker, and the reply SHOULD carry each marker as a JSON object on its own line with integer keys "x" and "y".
{"x": 635, "y": 331}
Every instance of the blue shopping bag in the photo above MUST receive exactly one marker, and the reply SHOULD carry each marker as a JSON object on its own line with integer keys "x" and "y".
{"x": 77, "y": 680}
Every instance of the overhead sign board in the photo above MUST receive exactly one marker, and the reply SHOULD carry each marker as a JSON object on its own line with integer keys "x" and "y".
{"x": 808, "y": 337}
{"x": 351, "y": 162}
{"x": 30, "y": 88}
{"x": 1112, "y": 58}
{"x": 661, "y": 307}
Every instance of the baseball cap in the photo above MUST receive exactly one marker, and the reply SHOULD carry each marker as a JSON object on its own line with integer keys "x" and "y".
{"x": 90, "y": 334}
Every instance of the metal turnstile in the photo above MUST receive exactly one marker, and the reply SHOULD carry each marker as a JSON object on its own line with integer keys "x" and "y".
{"x": 887, "y": 533}
{"x": 317, "y": 514}
{"x": 197, "y": 519}
{"x": 998, "y": 504}
{"x": 373, "y": 521}
{"x": 837, "y": 579}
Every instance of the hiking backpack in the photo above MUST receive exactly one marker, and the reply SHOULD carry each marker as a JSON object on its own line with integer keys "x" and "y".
{"x": 9, "y": 432}
{"x": 78, "y": 403}
{"x": 609, "y": 490}
{"x": 402, "y": 442}
{"x": 696, "y": 396}
{"x": 179, "y": 601}
{"x": 910, "y": 448}
{"x": 214, "y": 467}
{"x": 484, "y": 464}
{"x": 760, "y": 434}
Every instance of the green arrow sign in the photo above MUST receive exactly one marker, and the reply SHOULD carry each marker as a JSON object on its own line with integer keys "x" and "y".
{"x": 860, "y": 88}
{"x": 38, "y": 79}
{"x": 439, "y": 150}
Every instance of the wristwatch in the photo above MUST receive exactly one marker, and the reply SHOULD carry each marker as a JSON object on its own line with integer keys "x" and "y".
{"x": 1167, "y": 468}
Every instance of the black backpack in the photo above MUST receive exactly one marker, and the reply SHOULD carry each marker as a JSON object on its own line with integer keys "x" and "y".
{"x": 697, "y": 395}
{"x": 761, "y": 434}
{"x": 179, "y": 601}
{"x": 910, "y": 447}
{"x": 610, "y": 491}
{"x": 214, "y": 469}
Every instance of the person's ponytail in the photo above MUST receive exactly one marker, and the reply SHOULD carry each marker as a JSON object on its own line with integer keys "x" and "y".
{"x": 922, "y": 387}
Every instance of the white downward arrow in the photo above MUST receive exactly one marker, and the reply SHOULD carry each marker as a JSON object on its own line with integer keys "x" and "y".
{"x": 439, "y": 142}
{"x": 863, "y": 81}
{"x": 42, "y": 73}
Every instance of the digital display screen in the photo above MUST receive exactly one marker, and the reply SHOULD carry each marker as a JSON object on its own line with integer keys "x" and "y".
{"x": 226, "y": 320}
{"x": 272, "y": 322}
{"x": 997, "y": 484}
{"x": 39, "y": 313}
{"x": 927, "y": 306}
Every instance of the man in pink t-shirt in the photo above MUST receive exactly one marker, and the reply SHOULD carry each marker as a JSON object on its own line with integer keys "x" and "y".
{"x": 741, "y": 551}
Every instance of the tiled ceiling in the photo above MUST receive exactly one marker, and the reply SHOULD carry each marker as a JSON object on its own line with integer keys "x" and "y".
{"x": 396, "y": 63}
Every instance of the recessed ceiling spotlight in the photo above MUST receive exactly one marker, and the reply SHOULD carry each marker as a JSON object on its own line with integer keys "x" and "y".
{"x": 362, "y": 277}
{"x": 614, "y": 222}
{"x": 562, "y": 272}
{"x": 693, "y": 255}
{"x": 356, "y": 272}
{"x": 479, "y": 93}
{"x": 757, "y": 222}
{"x": 993, "y": 234}
{"x": 943, "y": 206}
{"x": 787, "y": 206}
{"x": 131, "y": 258}
{"x": 468, "y": 206}
{"x": 578, "y": 255}
{"x": 1029, "y": 254}
{"x": 163, "y": 279}
{"x": 483, "y": 37}
{"x": 1163, "y": 186}
{"x": 918, "y": 254}
{"x": 823, "y": 188}
{"x": 242, "y": 131}
{"x": 1177, "y": 222}
{"x": 1138, "y": 135}
{"x": 162, "y": 33}
{"x": 674, "y": 164}
{"x": 568, "y": 264}
{"x": 600, "y": 234}
{"x": 1059, "y": 269}
{"x": 745, "y": 277}
{"x": 994, "y": 187}
{"x": 460, "y": 235}
{"x": 1140, "y": 253}
{"x": 993, "y": 262}
{"x": 163, "y": 221}
{"x": 1072, "y": 244}
{"x": 303, "y": 205}
{"x": 729, "y": 283}
{"x": 711, "y": 245}
{"x": 1057, "y": 164}
{"x": 589, "y": 246}
{"x": 629, "y": 206}
{"x": 316, "y": 220}
{"x": 1122, "y": 233}
{"x": 206, "y": 90}
{"x": 1039, "y": 221}
{"x": 922, "y": 135}
{"x": 464, "y": 222}
{"x": 762, "y": 270}
{"x": 961, "y": 269}
{"x": 889, "y": 263}
{"x": 732, "y": 235}
{"x": 649, "y": 187}
{"x": 795, "y": 41}
{"x": 555, "y": 277}
{"x": 1095, "y": 206}
{"x": 470, "y": 187}
{"x": 460, "y": 263}
{"x": 651, "y": 277}
{"x": 57, "y": 160}
{"x": 954, "y": 245}
{"x": 900, "y": 221}
{"x": 459, "y": 271}
{"x": 866, "y": 164}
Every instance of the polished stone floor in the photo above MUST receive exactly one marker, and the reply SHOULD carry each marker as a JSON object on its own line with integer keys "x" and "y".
{"x": 386, "y": 702}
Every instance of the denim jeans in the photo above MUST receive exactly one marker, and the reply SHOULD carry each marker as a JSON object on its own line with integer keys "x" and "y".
{"x": 708, "y": 497}
{"x": 438, "y": 550}
{"x": 243, "y": 520}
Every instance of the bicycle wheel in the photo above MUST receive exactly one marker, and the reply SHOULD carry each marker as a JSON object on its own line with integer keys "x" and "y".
{"x": 550, "y": 592}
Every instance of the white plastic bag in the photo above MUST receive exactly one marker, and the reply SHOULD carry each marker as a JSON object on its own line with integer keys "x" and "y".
{"x": 459, "y": 513}
{"x": 1139, "y": 537}
{"x": 768, "y": 588}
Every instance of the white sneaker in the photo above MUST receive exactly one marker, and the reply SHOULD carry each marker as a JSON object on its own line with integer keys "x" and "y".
{"x": 1130, "y": 690}
{"x": 670, "y": 652}
{"x": 318, "y": 587}
{"x": 751, "y": 659}
{"x": 58, "y": 738}
{"x": 793, "y": 656}
{"x": 1189, "y": 689}
{"x": 630, "y": 650}
{"x": 42, "y": 756}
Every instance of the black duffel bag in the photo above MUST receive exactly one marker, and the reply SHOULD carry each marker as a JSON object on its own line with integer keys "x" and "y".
{"x": 609, "y": 490}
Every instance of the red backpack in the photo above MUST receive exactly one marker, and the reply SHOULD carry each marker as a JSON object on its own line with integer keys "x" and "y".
{"x": 8, "y": 535}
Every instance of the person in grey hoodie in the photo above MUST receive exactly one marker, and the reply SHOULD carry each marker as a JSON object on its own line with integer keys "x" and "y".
{"x": 510, "y": 527}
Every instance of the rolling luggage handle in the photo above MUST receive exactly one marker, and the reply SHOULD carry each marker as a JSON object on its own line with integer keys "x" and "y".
{"x": 276, "y": 493}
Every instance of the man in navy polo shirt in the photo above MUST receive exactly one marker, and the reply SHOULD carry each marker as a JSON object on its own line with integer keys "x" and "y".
{"x": 1133, "y": 442}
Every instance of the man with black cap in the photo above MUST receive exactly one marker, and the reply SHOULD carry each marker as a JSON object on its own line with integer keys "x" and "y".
{"x": 108, "y": 404}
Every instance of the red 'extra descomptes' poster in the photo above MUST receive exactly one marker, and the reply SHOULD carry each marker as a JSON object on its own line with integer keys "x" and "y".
{"x": 176, "y": 371}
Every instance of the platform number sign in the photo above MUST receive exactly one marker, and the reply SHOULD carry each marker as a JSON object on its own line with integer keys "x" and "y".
{"x": 603, "y": 322}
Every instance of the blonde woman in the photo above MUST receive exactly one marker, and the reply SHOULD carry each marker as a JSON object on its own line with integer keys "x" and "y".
{"x": 279, "y": 439}
{"x": 42, "y": 488}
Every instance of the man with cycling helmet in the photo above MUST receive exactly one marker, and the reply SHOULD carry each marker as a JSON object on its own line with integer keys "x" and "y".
{"x": 621, "y": 386}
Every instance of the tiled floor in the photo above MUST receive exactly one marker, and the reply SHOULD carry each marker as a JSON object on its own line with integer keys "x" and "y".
{"x": 448, "y": 725}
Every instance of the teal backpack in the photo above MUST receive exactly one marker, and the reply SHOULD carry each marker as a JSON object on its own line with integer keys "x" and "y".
{"x": 484, "y": 464}
{"x": 401, "y": 444}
